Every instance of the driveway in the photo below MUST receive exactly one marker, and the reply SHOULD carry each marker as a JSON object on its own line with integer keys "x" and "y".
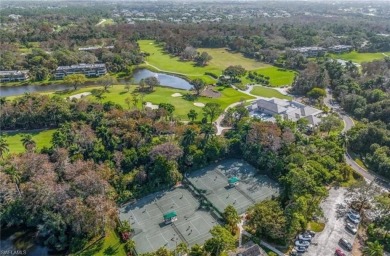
{"x": 328, "y": 239}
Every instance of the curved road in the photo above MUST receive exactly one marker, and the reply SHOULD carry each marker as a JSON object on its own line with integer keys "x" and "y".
{"x": 348, "y": 124}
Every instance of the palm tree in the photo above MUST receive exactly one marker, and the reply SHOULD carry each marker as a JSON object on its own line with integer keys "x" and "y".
{"x": 207, "y": 130}
{"x": 188, "y": 137}
{"x": 28, "y": 141}
{"x": 15, "y": 177}
{"x": 373, "y": 249}
{"x": 3, "y": 146}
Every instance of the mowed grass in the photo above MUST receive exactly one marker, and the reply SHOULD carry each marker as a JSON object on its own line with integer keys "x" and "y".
{"x": 269, "y": 92}
{"x": 222, "y": 58}
{"x": 109, "y": 245}
{"x": 162, "y": 94}
{"x": 42, "y": 139}
{"x": 360, "y": 57}
{"x": 278, "y": 77}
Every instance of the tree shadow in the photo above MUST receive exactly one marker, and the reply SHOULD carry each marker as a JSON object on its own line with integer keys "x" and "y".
{"x": 111, "y": 250}
{"x": 94, "y": 248}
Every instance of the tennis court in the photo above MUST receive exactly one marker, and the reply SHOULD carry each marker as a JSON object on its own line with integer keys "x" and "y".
{"x": 146, "y": 218}
{"x": 252, "y": 187}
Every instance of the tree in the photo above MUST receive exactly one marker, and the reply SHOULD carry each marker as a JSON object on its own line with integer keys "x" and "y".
{"x": 106, "y": 81}
{"x": 373, "y": 249}
{"x": 202, "y": 58}
{"x": 316, "y": 93}
{"x": 192, "y": 115}
{"x": 151, "y": 81}
{"x": 128, "y": 102}
{"x": 169, "y": 108}
{"x": 4, "y": 146}
{"x": 234, "y": 71}
{"x": 267, "y": 219}
{"x": 189, "y": 53}
{"x": 212, "y": 110}
{"x": 197, "y": 250}
{"x": 75, "y": 80}
{"x": 188, "y": 138}
{"x": 231, "y": 217}
{"x": 181, "y": 249}
{"x": 28, "y": 141}
{"x": 330, "y": 122}
{"x": 221, "y": 241}
{"x": 198, "y": 85}
{"x": 360, "y": 195}
{"x": 15, "y": 177}
{"x": 135, "y": 99}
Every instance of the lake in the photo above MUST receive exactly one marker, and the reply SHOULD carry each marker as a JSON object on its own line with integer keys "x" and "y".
{"x": 164, "y": 79}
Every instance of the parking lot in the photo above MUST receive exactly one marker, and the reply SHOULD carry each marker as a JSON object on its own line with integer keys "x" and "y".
{"x": 328, "y": 239}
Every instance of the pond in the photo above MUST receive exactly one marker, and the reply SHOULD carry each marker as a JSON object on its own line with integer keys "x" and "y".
{"x": 21, "y": 242}
{"x": 164, "y": 79}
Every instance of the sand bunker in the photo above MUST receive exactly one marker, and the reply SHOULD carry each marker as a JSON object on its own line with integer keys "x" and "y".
{"x": 78, "y": 96}
{"x": 199, "y": 104}
{"x": 151, "y": 105}
{"x": 176, "y": 95}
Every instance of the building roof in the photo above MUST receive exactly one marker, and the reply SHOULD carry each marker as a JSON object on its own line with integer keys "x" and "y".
{"x": 254, "y": 250}
{"x": 81, "y": 65}
{"x": 313, "y": 120}
{"x": 12, "y": 72}
{"x": 170, "y": 215}
{"x": 233, "y": 180}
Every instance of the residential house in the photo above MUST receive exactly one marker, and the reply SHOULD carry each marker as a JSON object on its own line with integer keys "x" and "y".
{"x": 310, "y": 51}
{"x": 340, "y": 48}
{"x": 89, "y": 70}
{"x": 287, "y": 109}
{"x": 13, "y": 75}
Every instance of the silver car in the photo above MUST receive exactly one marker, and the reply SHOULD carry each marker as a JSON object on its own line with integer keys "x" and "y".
{"x": 351, "y": 228}
{"x": 301, "y": 243}
{"x": 305, "y": 237}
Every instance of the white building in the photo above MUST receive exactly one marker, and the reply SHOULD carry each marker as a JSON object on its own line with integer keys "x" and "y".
{"x": 287, "y": 109}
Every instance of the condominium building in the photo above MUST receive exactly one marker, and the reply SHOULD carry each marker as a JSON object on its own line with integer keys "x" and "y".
{"x": 89, "y": 70}
{"x": 13, "y": 76}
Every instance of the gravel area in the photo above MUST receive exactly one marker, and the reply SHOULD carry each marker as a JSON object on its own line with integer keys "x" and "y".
{"x": 334, "y": 212}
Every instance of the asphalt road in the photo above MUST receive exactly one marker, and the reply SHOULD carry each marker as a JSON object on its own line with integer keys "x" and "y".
{"x": 348, "y": 124}
{"x": 328, "y": 240}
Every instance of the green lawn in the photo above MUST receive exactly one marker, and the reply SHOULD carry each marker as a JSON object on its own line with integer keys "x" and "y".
{"x": 41, "y": 138}
{"x": 315, "y": 226}
{"x": 222, "y": 58}
{"x": 109, "y": 245}
{"x": 268, "y": 92}
{"x": 163, "y": 95}
{"x": 360, "y": 57}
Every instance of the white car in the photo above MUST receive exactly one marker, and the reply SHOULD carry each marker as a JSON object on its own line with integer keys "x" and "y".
{"x": 305, "y": 237}
{"x": 354, "y": 213}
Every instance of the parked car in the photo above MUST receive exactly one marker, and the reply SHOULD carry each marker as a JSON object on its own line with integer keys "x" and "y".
{"x": 339, "y": 252}
{"x": 302, "y": 243}
{"x": 305, "y": 237}
{"x": 351, "y": 228}
{"x": 312, "y": 233}
{"x": 346, "y": 244}
{"x": 353, "y": 219}
{"x": 300, "y": 249}
{"x": 354, "y": 213}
